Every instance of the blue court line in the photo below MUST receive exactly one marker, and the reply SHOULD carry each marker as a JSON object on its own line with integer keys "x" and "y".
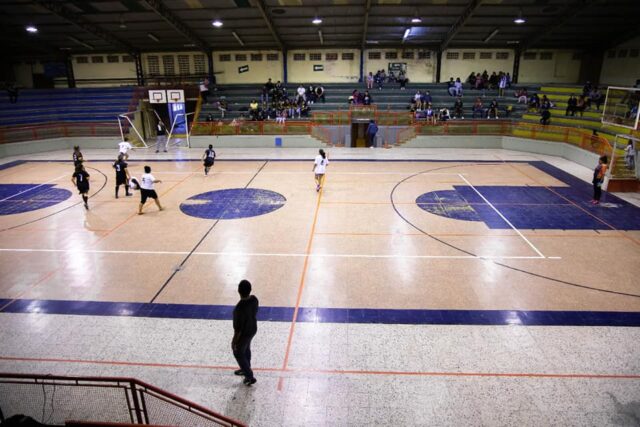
{"x": 12, "y": 164}
{"x": 329, "y": 315}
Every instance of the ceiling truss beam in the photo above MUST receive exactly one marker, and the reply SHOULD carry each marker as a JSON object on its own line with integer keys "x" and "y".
{"x": 365, "y": 27}
{"x": 170, "y": 18}
{"x": 460, "y": 22}
{"x": 263, "y": 11}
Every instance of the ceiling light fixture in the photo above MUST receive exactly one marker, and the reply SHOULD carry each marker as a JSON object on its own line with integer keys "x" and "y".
{"x": 490, "y": 36}
{"x": 237, "y": 37}
{"x": 122, "y": 23}
{"x": 31, "y": 29}
{"x": 406, "y": 34}
{"x": 519, "y": 19}
{"x": 217, "y": 23}
{"x": 317, "y": 21}
{"x": 80, "y": 42}
{"x": 153, "y": 37}
{"x": 416, "y": 18}
{"x": 321, "y": 37}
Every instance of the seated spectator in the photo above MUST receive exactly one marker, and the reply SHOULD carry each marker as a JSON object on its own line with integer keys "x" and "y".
{"x": 417, "y": 99}
{"x": 379, "y": 79}
{"x": 595, "y": 97}
{"x": 426, "y": 98}
{"x": 458, "y": 109}
{"x": 479, "y": 82}
{"x": 572, "y": 104}
{"x": 493, "y": 80}
{"x": 586, "y": 90}
{"x": 522, "y": 95}
{"x": 508, "y": 110}
{"x": 253, "y": 110}
{"x": 370, "y": 80}
{"x": 534, "y": 102}
{"x": 430, "y": 114}
{"x": 402, "y": 79}
{"x": 222, "y": 107}
{"x": 320, "y": 93}
{"x": 458, "y": 86}
{"x": 301, "y": 93}
{"x": 279, "y": 90}
{"x": 209, "y": 117}
{"x": 311, "y": 95}
{"x": 478, "y": 109}
{"x": 281, "y": 116}
{"x": 545, "y": 104}
{"x": 472, "y": 79}
{"x": 444, "y": 115}
{"x": 493, "y": 110}
{"x": 485, "y": 77}
{"x": 451, "y": 87}
{"x": 366, "y": 99}
{"x": 509, "y": 80}
{"x": 581, "y": 105}
{"x": 545, "y": 117}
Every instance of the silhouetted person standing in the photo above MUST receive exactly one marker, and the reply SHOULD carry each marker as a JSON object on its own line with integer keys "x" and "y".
{"x": 245, "y": 326}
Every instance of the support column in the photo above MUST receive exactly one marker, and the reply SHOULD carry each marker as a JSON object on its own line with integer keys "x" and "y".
{"x": 438, "y": 65}
{"x": 139, "y": 70}
{"x": 211, "y": 74}
{"x": 361, "y": 80}
{"x": 516, "y": 66}
{"x": 68, "y": 65}
{"x": 285, "y": 74}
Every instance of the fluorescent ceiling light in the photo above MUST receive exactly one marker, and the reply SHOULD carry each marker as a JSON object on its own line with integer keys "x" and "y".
{"x": 513, "y": 42}
{"x": 406, "y": 33}
{"x": 519, "y": 19}
{"x": 490, "y": 36}
{"x": 153, "y": 37}
{"x": 416, "y": 20}
{"x": 321, "y": 37}
{"x": 237, "y": 37}
{"x": 31, "y": 29}
{"x": 317, "y": 21}
{"x": 372, "y": 42}
{"x": 217, "y": 23}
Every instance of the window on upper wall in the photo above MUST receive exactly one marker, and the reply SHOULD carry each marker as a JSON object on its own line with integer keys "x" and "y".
{"x": 529, "y": 56}
{"x": 184, "y": 64}
{"x": 169, "y": 65}
{"x": 315, "y": 57}
{"x": 622, "y": 53}
{"x": 331, "y": 56}
{"x": 256, "y": 57}
{"x": 486, "y": 55}
{"x": 82, "y": 60}
{"x": 127, "y": 58}
{"x": 100, "y": 59}
{"x": 347, "y": 56}
{"x": 468, "y": 55}
{"x": 546, "y": 56}
{"x": 112, "y": 59}
{"x": 424, "y": 54}
{"x": 224, "y": 57}
{"x": 408, "y": 54}
{"x": 299, "y": 56}
{"x": 453, "y": 55}
{"x": 391, "y": 55}
{"x": 374, "y": 55}
{"x": 611, "y": 54}
{"x": 633, "y": 53}
{"x": 502, "y": 55}
{"x": 198, "y": 64}
{"x": 577, "y": 56}
{"x": 153, "y": 65}
{"x": 241, "y": 57}
{"x": 273, "y": 57}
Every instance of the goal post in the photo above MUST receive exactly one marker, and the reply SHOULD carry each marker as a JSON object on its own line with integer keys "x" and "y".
{"x": 621, "y": 107}
{"x": 126, "y": 118}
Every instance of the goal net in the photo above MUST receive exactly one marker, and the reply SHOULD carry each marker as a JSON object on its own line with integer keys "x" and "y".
{"x": 621, "y": 107}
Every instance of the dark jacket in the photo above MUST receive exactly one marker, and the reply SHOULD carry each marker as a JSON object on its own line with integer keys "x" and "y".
{"x": 245, "y": 323}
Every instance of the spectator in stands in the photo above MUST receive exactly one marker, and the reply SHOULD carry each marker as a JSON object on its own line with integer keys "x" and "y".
{"x": 281, "y": 116}
{"x": 204, "y": 90}
{"x": 534, "y": 102}
{"x": 508, "y": 110}
{"x": 572, "y": 103}
{"x": 301, "y": 93}
{"x": 430, "y": 114}
{"x": 320, "y": 93}
{"x": 502, "y": 85}
{"x": 426, "y": 98}
{"x": 417, "y": 99}
{"x": 485, "y": 77}
{"x": 12, "y": 92}
{"x": 444, "y": 115}
{"x": 545, "y": 115}
{"x": 451, "y": 87}
{"x": 458, "y": 86}
{"x": 366, "y": 99}
{"x": 493, "y": 110}
{"x": 379, "y": 79}
{"x": 586, "y": 89}
{"x": 581, "y": 105}
{"x": 458, "y": 109}
{"x": 253, "y": 110}
{"x": 545, "y": 104}
{"x": 522, "y": 95}
{"x": 595, "y": 97}
{"x": 222, "y": 106}
{"x": 508, "y": 80}
{"x": 630, "y": 156}
{"x": 279, "y": 90}
{"x": 402, "y": 79}
{"x": 372, "y": 130}
{"x": 370, "y": 80}
{"x": 478, "y": 109}
{"x": 209, "y": 117}
{"x": 493, "y": 80}
{"x": 472, "y": 79}
{"x": 270, "y": 86}
{"x": 479, "y": 82}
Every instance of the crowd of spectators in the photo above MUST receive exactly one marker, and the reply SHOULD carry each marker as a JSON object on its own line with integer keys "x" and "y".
{"x": 381, "y": 77}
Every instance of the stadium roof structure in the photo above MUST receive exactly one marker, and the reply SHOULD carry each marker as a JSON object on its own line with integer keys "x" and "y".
{"x": 84, "y": 26}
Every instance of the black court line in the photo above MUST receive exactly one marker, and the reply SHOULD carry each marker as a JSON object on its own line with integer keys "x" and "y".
{"x": 186, "y": 258}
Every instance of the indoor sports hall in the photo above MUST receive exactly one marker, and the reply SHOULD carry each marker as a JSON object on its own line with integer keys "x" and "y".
{"x": 444, "y": 270}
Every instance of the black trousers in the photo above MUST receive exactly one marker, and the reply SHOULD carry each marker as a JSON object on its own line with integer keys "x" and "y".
{"x": 242, "y": 354}
{"x": 597, "y": 191}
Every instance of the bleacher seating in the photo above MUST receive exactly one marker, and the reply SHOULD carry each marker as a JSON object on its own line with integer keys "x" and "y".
{"x": 390, "y": 98}
{"x": 37, "y": 106}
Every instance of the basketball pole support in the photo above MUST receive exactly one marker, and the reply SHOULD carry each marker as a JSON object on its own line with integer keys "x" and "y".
{"x": 186, "y": 124}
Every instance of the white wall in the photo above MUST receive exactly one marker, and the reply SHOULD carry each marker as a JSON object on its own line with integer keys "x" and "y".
{"x": 622, "y": 71}
{"x": 338, "y": 71}
{"x": 563, "y": 67}
{"x": 418, "y": 70}
{"x": 105, "y": 70}
{"x": 462, "y": 67}
{"x": 227, "y": 72}
{"x": 24, "y": 73}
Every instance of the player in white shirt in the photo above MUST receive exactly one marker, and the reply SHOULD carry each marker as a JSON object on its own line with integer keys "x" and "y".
{"x": 124, "y": 148}
{"x": 146, "y": 189}
{"x": 320, "y": 167}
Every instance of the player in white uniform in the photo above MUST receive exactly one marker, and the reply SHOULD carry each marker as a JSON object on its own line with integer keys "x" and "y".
{"x": 146, "y": 189}
{"x": 320, "y": 167}
{"x": 124, "y": 148}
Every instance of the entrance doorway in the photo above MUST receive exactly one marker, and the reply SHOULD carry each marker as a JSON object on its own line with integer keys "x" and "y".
{"x": 359, "y": 134}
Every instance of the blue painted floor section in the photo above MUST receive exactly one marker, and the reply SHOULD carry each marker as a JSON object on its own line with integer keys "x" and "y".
{"x": 20, "y": 198}
{"x": 329, "y": 315}
{"x": 233, "y": 203}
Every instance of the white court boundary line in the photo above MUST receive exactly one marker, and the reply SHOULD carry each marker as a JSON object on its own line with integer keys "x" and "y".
{"x": 540, "y": 255}
{"x": 261, "y": 254}
{"x": 32, "y": 188}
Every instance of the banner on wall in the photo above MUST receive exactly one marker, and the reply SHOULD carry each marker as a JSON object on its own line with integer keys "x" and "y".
{"x": 318, "y": 67}
{"x": 243, "y": 69}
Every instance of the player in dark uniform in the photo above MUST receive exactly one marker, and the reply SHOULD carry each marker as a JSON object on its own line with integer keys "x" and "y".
{"x": 77, "y": 156}
{"x": 122, "y": 175}
{"x": 80, "y": 179}
{"x": 209, "y": 158}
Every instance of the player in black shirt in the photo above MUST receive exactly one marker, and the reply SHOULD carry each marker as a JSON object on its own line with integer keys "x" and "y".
{"x": 245, "y": 326}
{"x": 209, "y": 158}
{"x": 77, "y": 156}
{"x": 122, "y": 175}
{"x": 80, "y": 179}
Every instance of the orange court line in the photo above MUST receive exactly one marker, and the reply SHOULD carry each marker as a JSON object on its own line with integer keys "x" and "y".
{"x": 301, "y": 286}
{"x": 42, "y": 279}
{"x": 331, "y": 371}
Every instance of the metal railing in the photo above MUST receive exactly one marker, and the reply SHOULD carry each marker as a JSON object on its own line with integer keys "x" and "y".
{"x": 55, "y": 399}
{"x": 57, "y": 130}
{"x": 252, "y": 128}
